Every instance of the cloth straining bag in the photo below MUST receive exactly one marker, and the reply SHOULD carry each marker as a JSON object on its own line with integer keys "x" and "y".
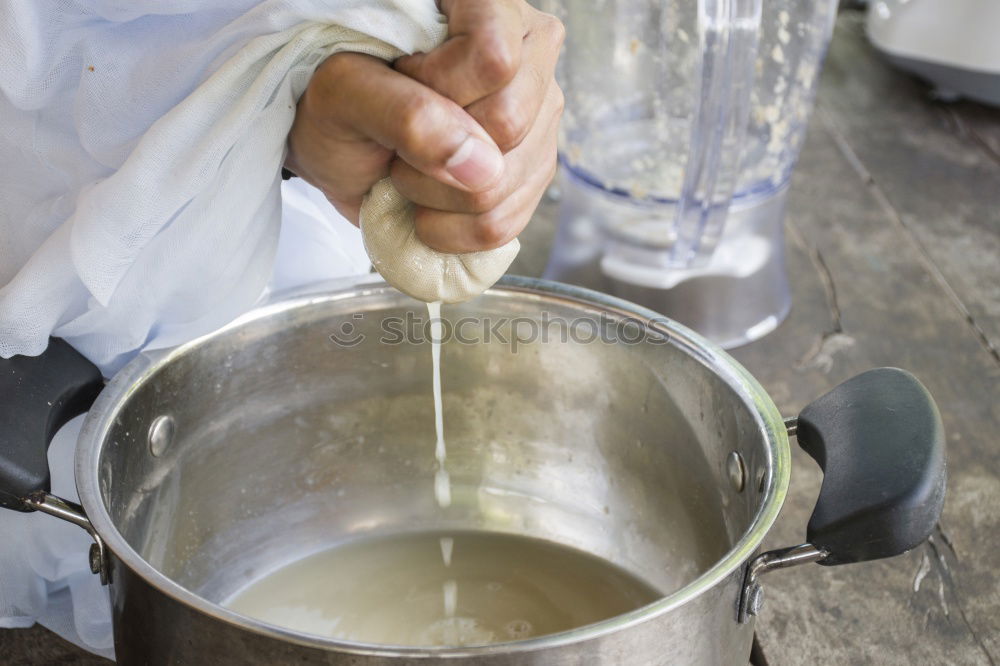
{"x": 415, "y": 269}
{"x": 140, "y": 198}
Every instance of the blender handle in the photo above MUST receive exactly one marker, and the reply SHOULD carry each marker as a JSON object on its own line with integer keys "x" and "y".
{"x": 729, "y": 32}
{"x": 40, "y": 395}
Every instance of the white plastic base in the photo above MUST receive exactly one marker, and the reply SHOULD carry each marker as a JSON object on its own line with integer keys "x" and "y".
{"x": 741, "y": 295}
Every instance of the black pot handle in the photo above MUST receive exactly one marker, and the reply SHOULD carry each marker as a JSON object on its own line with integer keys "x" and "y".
{"x": 879, "y": 440}
{"x": 40, "y": 394}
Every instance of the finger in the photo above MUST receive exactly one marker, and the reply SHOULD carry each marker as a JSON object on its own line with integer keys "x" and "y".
{"x": 459, "y": 232}
{"x": 368, "y": 100}
{"x": 481, "y": 55}
{"x": 429, "y": 193}
{"x": 508, "y": 115}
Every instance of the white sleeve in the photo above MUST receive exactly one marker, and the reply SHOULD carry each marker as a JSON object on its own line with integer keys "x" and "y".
{"x": 141, "y": 146}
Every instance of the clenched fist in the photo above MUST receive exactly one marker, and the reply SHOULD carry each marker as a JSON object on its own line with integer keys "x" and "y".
{"x": 467, "y": 131}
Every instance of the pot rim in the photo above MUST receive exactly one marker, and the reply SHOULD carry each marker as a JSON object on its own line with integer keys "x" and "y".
{"x": 769, "y": 422}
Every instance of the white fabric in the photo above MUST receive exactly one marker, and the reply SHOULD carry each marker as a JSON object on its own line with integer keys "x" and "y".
{"x": 316, "y": 244}
{"x": 140, "y": 144}
{"x": 415, "y": 269}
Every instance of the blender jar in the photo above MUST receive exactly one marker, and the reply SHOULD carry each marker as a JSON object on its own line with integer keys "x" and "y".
{"x": 683, "y": 121}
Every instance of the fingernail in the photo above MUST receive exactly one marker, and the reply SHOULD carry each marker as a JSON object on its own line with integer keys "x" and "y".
{"x": 476, "y": 163}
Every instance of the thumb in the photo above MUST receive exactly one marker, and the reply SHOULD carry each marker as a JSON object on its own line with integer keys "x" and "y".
{"x": 425, "y": 129}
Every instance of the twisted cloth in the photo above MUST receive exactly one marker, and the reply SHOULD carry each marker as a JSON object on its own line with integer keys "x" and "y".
{"x": 415, "y": 269}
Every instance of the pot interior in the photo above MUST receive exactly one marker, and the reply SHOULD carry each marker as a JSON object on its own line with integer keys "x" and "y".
{"x": 285, "y": 442}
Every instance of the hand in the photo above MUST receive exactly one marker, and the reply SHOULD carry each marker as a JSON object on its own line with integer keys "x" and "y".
{"x": 467, "y": 131}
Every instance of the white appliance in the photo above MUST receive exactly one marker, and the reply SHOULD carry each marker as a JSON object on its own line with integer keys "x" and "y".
{"x": 954, "y": 44}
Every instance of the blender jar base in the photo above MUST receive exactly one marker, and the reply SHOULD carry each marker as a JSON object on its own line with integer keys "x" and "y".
{"x": 741, "y": 295}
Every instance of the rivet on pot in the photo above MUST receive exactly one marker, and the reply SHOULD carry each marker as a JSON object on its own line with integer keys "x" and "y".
{"x": 161, "y": 433}
{"x": 95, "y": 558}
{"x": 737, "y": 471}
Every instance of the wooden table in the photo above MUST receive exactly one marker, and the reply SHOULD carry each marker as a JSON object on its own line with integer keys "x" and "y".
{"x": 894, "y": 243}
{"x": 893, "y": 235}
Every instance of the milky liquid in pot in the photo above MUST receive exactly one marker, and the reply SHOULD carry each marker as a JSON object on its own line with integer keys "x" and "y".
{"x": 483, "y": 588}
{"x": 402, "y": 590}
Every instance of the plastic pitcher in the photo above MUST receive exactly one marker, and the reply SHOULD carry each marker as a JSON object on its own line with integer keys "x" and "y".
{"x": 683, "y": 121}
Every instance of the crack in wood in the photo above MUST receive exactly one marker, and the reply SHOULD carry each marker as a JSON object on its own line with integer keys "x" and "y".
{"x": 947, "y": 540}
{"x": 834, "y": 339}
{"x": 947, "y": 579}
{"x": 851, "y": 156}
{"x": 830, "y": 287}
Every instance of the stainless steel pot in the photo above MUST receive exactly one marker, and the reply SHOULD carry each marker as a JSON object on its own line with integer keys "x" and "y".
{"x": 309, "y": 422}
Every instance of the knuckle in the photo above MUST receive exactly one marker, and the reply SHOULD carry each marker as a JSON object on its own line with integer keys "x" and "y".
{"x": 334, "y": 67}
{"x": 484, "y": 202}
{"x": 340, "y": 73}
{"x": 560, "y": 101}
{"x": 412, "y": 112}
{"x": 492, "y": 231}
{"x": 332, "y": 75}
{"x": 553, "y": 167}
{"x": 413, "y": 115}
{"x": 424, "y": 223}
{"x": 508, "y": 123}
{"x": 553, "y": 29}
{"x": 496, "y": 64}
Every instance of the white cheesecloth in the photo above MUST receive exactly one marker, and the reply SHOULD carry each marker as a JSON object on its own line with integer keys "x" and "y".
{"x": 415, "y": 269}
{"x": 140, "y": 206}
